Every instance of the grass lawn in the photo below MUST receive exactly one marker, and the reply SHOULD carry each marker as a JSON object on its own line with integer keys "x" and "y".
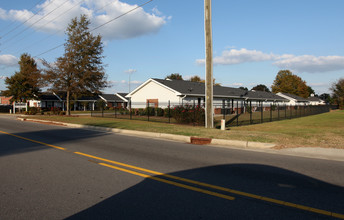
{"x": 323, "y": 130}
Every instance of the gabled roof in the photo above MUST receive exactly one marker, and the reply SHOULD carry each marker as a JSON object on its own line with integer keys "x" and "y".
{"x": 113, "y": 97}
{"x": 314, "y": 99}
{"x": 122, "y": 96}
{"x": 61, "y": 96}
{"x": 48, "y": 97}
{"x": 261, "y": 95}
{"x": 198, "y": 88}
{"x": 295, "y": 97}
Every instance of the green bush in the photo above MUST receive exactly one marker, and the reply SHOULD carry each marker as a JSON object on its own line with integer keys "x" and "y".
{"x": 159, "y": 112}
{"x": 32, "y": 111}
{"x": 168, "y": 112}
{"x": 189, "y": 114}
{"x": 150, "y": 111}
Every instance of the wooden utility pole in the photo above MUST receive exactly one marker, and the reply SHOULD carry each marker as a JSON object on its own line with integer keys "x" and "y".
{"x": 209, "y": 117}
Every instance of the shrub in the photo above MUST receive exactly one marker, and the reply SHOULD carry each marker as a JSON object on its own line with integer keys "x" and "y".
{"x": 159, "y": 112}
{"x": 189, "y": 114}
{"x": 150, "y": 111}
{"x": 32, "y": 111}
{"x": 168, "y": 112}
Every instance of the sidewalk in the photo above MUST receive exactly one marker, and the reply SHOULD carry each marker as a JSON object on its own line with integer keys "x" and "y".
{"x": 309, "y": 152}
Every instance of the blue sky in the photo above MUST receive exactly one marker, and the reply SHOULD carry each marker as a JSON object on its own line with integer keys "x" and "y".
{"x": 252, "y": 40}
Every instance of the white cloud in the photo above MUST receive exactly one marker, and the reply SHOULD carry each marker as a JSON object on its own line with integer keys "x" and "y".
{"x": 304, "y": 63}
{"x": 319, "y": 84}
{"x": 56, "y": 15}
{"x": 233, "y": 56}
{"x": 136, "y": 82}
{"x": 312, "y": 64}
{"x": 237, "y": 84}
{"x": 112, "y": 82}
{"x": 3, "y": 77}
{"x": 8, "y": 60}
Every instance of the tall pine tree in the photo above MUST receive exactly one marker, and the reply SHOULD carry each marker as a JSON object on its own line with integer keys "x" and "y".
{"x": 80, "y": 71}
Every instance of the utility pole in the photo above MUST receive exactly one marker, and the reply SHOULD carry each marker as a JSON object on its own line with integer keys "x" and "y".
{"x": 209, "y": 117}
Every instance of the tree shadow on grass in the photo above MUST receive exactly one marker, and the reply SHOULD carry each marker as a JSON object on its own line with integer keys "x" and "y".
{"x": 152, "y": 199}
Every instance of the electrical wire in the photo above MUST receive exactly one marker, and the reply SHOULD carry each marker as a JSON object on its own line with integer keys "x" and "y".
{"x": 39, "y": 41}
{"x": 36, "y": 22}
{"x": 137, "y": 7}
{"x": 25, "y": 20}
{"x": 3, "y": 29}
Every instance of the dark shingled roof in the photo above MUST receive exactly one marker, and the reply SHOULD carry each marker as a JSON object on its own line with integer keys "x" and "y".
{"x": 114, "y": 97}
{"x": 314, "y": 99}
{"x": 111, "y": 97}
{"x": 297, "y": 98}
{"x": 122, "y": 94}
{"x": 197, "y": 88}
{"x": 48, "y": 97}
{"x": 260, "y": 95}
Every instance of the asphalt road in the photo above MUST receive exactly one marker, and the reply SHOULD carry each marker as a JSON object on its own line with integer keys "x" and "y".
{"x": 53, "y": 172}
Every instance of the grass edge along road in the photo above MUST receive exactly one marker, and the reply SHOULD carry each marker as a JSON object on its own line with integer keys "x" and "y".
{"x": 134, "y": 170}
{"x": 323, "y": 130}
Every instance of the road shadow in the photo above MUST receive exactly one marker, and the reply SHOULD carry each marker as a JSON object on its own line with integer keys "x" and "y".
{"x": 10, "y": 144}
{"x": 151, "y": 199}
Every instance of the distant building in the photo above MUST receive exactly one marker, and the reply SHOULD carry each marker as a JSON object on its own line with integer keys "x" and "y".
{"x": 315, "y": 100}
{"x": 117, "y": 100}
{"x": 4, "y": 100}
{"x": 293, "y": 99}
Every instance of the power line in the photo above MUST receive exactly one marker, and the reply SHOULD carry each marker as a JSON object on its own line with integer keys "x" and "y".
{"x": 16, "y": 21}
{"x": 39, "y": 41}
{"x": 26, "y": 20}
{"x": 139, "y": 6}
{"x": 36, "y": 21}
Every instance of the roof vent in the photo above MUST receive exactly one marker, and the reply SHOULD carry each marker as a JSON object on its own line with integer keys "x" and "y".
{"x": 168, "y": 79}
{"x": 190, "y": 89}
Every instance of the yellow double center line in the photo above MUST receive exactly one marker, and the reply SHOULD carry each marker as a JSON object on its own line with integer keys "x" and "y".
{"x": 219, "y": 188}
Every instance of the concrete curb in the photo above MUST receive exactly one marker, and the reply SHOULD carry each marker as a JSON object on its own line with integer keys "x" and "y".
{"x": 145, "y": 134}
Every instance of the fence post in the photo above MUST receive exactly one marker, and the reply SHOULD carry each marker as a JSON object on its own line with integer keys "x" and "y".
{"x": 130, "y": 110}
{"x": 232, "y": 106}
{"x": 291, "y": 112}
{"x": 169, "y": 111}
{"x": 194, "y": 113}
{"x": 102, "y": 112}
{"x": 223, "y": 109}
{"x": 250, "y": 112}
{"x": 261, "y": 112}
{"x": 270, "y": 112}
{"x": 237, "y": 113}
{"x": 115, "y": 113}
{"x": 278, "y": 112}
{"x": 148, "y": 109}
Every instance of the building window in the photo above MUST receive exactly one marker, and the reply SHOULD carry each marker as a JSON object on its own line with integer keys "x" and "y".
{"x": 153, "y": 103}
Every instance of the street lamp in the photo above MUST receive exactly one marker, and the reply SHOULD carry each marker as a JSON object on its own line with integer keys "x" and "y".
{"x": 130, "y": 71}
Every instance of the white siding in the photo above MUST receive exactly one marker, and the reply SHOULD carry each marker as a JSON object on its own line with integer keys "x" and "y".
{"x": 153, "y": 90}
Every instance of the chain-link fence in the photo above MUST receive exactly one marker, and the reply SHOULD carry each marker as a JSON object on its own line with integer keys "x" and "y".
{"x": 168, "y": 112}
{"x": 260, "y": 112}
{"x": 236, "y": 113}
